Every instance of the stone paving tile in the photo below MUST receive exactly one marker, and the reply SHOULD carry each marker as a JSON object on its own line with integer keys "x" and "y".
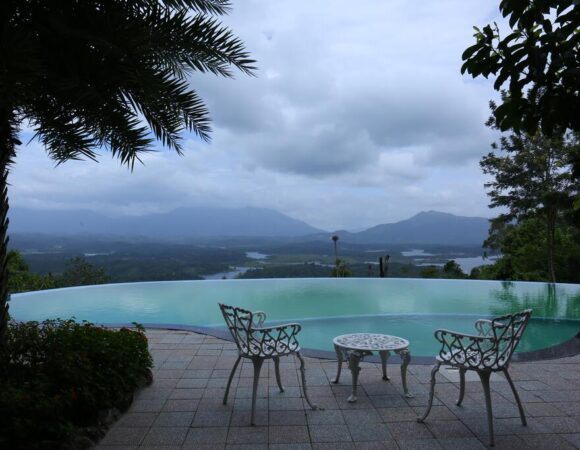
{"x": 183, "y": 406}
{"x": 325, "y": 417}
{"x": 212, "y": 418}
{"x": 247, "y": 447}
{"x": 461, "y": 443}
{"x": 369, "y": 432}
{"x": 361, "y": 416}
{"x": 329, "y": 433}
{"x": 288, "y": 434}
{"x": 418, "y": 444}
{"x": 403, "y": 430}
{"x": 561, "y": 424}
{"x": 377, "y": 445}
{"x": 243, "y": 418}
{"x": 174, "y": 419}
{"x": 248, "y": 435}
{"x": 287, "y": 418}
{"x": 547, "y": 442}
{"x": 165, "y": 436}
{"x": 206, "y": 436}
{"x": 192, "y": 383}
{"x": 173, "y": 405}
{"x": 301, "y": 446}
{"x": 448, "y": 429}
{"x": 573, "y": 439}
{"x": 144, "y": 419}
{"x": 333, "y": 446}
{"x": 402, "y": 414}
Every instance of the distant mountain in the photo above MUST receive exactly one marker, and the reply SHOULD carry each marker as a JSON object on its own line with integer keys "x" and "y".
{"x": 425, "y": 228}
{"x": 431, "y": 227}
{"x": 179, "y": 223}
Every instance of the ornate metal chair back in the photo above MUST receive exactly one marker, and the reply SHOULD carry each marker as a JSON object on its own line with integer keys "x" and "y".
{"x": 507, "y": 332}
{"x": 239, "y": 321}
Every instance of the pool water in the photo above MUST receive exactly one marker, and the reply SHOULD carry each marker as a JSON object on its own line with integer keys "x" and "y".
{"x": 326, "y": 307}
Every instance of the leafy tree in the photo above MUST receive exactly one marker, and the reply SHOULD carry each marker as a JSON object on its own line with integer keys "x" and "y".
{"x": 79, "y": 272}
{"x": 105, "y": 74}
{"x": 20, "y": 279}
{"x": 531, "y": 178}
{"x": 537, "y": 62}
{"x": 523, "y": 247}
{"x": 453, "y": 270}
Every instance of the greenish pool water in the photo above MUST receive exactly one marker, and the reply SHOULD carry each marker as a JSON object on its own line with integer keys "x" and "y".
{"x": 326, "y": 307}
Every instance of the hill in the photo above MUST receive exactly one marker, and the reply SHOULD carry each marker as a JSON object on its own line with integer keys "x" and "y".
{"x": 425, "y": 228}
{"x": 179, "y": 223}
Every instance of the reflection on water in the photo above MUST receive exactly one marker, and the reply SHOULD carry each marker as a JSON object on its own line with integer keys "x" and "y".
{"x": 549, "y": 300}
{"x": 419, "y": 329}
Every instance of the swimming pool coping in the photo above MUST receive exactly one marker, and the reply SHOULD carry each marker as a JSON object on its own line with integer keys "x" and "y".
{"x": 565, "y": 349}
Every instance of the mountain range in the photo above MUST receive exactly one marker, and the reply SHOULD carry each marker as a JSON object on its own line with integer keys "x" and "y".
{"x": 431, "y": 227}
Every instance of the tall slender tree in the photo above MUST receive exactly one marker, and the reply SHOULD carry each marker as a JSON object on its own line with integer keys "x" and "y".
{"x": 110, "y": 75}
{"x": 531, "y": 179}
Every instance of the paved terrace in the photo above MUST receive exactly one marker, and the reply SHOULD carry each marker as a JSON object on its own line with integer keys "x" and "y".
{"x": 183, "y": 407}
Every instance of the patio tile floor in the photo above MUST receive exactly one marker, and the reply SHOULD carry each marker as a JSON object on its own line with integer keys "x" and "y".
{"x": 183, "y": 407}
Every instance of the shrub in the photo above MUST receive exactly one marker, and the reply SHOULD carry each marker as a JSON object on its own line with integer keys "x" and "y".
{"x": 62, "y": 375}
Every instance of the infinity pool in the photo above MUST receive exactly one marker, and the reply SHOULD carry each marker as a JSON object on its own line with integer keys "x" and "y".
{"x": 326, "y": 307}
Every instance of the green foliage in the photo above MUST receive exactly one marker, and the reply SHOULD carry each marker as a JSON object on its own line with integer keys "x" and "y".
{"x": 79, "y": 272}
{"x": 524, "y": 256}
{"x": 20, "y": 279}
{"x": 532, "y": 180}
{"x": 61, "y": 374}
{"x": 106, "y": 74}
{"x": 453, "y": 270}
{"x": 430, "y": 272}
{"x": 541, "y": 56}
{"x": 341, "y": 270}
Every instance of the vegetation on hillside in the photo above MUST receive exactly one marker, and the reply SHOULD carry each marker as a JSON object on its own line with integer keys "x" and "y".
{"x": 78, "y": 272}
{"x": 532, "y": 181}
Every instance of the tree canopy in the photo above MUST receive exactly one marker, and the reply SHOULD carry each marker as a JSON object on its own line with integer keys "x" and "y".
{"x": 532, "y": 182}
{"x": 537, "y": 63}
{"x": 112, "y": 75}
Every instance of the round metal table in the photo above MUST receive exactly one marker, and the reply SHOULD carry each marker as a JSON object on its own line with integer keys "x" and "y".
{"x": 354, "y": 347}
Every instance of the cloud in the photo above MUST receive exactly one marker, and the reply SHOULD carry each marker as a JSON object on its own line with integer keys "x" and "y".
{"x": 358, "y": 116}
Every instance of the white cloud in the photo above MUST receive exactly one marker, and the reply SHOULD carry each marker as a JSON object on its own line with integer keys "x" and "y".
{"x": 358, "y": 116}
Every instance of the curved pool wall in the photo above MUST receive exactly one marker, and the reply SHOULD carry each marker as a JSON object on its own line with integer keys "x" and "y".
{"x": 326, "y": 307}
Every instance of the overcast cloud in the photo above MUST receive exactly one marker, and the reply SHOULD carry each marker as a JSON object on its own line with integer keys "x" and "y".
{"x": 359, "y": 115}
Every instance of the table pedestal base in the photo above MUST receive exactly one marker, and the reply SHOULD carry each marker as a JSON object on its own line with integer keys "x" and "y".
{"x": 354, "y": 357}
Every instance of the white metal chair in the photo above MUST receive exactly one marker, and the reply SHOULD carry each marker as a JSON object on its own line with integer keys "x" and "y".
{"x": 258, "y": 343}
{"x": 490, "y": 351}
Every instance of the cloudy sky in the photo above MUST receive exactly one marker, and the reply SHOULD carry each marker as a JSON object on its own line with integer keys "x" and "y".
{"x": 358, "y": 116}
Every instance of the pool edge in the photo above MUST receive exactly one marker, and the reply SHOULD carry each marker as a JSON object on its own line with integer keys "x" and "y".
{"x": 566, "y": 349}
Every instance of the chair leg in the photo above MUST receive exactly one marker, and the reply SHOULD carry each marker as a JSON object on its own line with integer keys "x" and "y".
{"x": 484, "y": 377}
{"x": 517, "y": 397}
{"x": 257, "y": 367}
{"x": 461, "y": 386}
{"x": 230, "y": 379}
{"x": 339, "y": 359}
{"x": 277, "y": 370}
{"x": 431, "y": 392}
{"x": 303, "y": 376}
